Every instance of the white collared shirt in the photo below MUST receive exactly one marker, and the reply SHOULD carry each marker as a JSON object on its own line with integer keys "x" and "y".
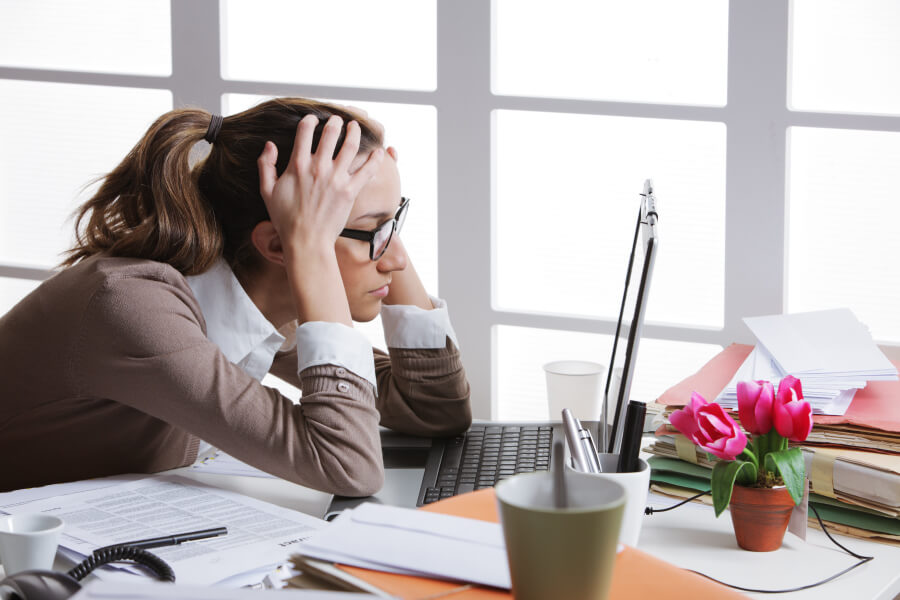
{"x": 249, "y": 340}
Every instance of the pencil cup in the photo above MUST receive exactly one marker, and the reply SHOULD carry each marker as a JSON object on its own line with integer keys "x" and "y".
{"x": 28, "y": 541}
{"x": 576, "y": 385}
{"x": 560, "y": 552}
{"x": 637, "y": 487}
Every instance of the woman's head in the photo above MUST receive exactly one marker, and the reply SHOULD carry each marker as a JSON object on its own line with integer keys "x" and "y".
{"x": 154, "y": 205}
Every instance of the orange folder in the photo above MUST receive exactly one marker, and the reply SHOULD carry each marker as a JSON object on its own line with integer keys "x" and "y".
{"x": 636, "y": 575}
{"x": 876, "y": 406}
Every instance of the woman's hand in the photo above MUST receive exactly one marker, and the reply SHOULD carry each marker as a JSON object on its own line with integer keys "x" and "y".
{"x": 311, "y": 201}
{"x": 308, "y": 207}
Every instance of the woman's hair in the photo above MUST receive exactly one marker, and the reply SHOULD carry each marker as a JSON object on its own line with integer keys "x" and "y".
{"x": 154, "y": 205}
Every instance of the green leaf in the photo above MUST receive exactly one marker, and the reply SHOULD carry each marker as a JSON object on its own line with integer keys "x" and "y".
{"x": 724, "y": 475}
{"x": 789, "y": 464}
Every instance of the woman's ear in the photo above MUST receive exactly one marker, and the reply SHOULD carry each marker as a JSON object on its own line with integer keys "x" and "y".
{"x": 392, "y": 152}
{"x": 266, "y": 241}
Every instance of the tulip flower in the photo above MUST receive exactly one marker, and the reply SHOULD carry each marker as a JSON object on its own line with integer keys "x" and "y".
{"x": 755, "y": 399}
{"x": 793, "y": 415}
{"x": 710, "y": 427}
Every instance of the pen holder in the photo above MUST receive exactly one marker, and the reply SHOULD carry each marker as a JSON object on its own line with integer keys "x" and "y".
{"x": 637, "y": 487}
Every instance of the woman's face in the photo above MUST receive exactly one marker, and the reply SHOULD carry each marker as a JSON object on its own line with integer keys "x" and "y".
{"x": 366, "y": 281}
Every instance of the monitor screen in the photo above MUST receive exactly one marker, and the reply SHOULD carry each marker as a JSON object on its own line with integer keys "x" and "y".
{"x": 630, "y": 321}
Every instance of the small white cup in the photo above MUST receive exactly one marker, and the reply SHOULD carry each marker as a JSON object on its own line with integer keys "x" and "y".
{"x": 637, "y": 489}
{"x": 576, "y": 385}
{"x": 28, "y": 541}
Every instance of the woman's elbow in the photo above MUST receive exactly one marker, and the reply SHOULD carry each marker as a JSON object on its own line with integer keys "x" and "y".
{"x": 355, "y": 474}
{"x": 360, "y": 483}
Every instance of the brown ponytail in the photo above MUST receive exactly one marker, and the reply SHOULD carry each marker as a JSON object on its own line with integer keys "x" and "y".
{"x": 154, "y": 206}
{"x": 149, "y": 206}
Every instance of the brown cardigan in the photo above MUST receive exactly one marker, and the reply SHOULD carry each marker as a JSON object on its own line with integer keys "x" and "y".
{"x": 106, "y": 368}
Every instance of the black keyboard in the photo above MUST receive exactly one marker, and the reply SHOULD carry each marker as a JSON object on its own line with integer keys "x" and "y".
{"x": 487, "y": 454}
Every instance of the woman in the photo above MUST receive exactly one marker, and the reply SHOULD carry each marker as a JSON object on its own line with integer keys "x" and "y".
{"x": 187, "y": 285}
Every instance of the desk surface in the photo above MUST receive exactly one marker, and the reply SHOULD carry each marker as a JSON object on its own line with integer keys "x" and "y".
{"x": 690, "y": 537}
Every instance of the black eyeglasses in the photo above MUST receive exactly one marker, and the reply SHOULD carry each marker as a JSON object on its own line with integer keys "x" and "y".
{"x": 380, "y": 238}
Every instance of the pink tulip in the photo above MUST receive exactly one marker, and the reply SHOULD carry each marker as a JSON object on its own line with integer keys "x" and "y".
{"x": 708, "y": 426}
{"x": 755, "y": 399}
{"x": 793, "y": 414}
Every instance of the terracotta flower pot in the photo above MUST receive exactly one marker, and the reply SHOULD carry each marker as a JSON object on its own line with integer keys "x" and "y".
{"x": 760, "y": 516}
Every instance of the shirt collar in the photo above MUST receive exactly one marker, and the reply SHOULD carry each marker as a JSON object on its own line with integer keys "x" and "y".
{"x": 233, "y": 321}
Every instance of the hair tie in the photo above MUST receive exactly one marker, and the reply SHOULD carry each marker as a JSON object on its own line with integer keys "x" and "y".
{"x": 215, "y": 124}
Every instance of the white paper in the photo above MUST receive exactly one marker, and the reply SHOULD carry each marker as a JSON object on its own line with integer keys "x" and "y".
{"x": 415, "y": 542}
{"x": 827, "y": 394}
{"x": 259, "y": 534}
{"x": 14, "y": 498}
{"x": 224, "y": 464}
{"x": 104, "y": 590}
{"x": 825, "y": 341}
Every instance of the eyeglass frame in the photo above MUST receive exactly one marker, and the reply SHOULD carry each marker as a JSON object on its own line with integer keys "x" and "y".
{"x": 396, "y": 224}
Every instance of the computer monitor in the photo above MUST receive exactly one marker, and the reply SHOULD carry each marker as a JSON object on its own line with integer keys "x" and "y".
{"x": 631, "y": 320}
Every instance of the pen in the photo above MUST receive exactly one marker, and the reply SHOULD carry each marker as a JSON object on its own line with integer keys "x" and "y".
{"x": 573, "y": 438}
{"x": 631, "y": 437}
{"x": 581, "y": 444}
{"x": 171, "y": 540}
{"x": 591, "y": 451}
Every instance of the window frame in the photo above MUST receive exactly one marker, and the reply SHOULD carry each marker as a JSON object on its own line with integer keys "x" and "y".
{"x": 756, "y": 116}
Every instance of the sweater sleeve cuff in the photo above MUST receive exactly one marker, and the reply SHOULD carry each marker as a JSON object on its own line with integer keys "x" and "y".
{"x": 325, "y": 343}
{"x": 413, "y": 327}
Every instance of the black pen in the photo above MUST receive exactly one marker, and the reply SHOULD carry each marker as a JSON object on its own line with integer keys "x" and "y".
{"x": 632, "y": 433}
{"x": 170, "y": 540}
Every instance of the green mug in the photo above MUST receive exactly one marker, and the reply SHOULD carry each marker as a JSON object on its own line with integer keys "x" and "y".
{"x": 560, "y": 552}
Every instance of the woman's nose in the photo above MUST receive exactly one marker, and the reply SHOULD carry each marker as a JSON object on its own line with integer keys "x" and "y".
{"x": 394, "y": 257}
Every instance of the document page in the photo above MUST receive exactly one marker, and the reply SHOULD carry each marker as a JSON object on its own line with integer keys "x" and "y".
{"x": 259, "y": 534}
{"x": 101, "y": 590}
{"x": 414, "y": 542}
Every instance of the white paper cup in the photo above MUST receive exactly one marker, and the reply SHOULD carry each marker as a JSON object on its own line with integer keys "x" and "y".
{"x": 576, "y": 385}
{"x": 637, "y": 488}
{"x": 28, "y": 541}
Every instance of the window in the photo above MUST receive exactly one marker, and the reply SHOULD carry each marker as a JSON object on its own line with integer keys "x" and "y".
{"x": 102, "y": 36}
{"x": 635, "y": 51}
{"x": 771, "y": 131}
{"x": 386, "y": 44}
{"x": 58, "y": 138}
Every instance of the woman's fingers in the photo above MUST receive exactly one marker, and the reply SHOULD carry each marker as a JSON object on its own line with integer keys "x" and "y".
{"x": 267, "y": 174}
{"x": 349, "y": 149}
{"x": 303, "y": 139}
{"x": 327, "y": 142}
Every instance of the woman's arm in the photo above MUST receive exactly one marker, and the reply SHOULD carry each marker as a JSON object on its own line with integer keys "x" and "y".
{"x": 142, "y": 345}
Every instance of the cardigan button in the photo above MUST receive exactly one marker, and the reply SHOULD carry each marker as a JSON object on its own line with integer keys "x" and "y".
{"x": 341, "y": 371}
{"x": 343, "y": 387}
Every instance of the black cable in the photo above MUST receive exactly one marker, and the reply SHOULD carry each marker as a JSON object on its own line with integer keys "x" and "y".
{"x": 862, "y": 559}
{"x": 649, "y": 510}
{"x": 123, "y": 553}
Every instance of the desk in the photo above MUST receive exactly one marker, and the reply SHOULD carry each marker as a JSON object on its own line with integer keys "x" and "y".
{"x": 689, "y": 537}
{"x": 692, "y": 537}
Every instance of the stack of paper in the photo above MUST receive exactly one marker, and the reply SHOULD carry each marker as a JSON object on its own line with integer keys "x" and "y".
{"x": 852, "y": 460}
{"x": 414, "y": 542}
{"x": 103, "y": 512}
{"x": 830, "y": 351}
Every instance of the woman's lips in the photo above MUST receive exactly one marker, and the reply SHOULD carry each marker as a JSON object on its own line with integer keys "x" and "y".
{"x": 381, "y": 292}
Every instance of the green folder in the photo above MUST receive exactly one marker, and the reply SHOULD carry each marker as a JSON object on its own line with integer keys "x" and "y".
{"x": 687, "y": 475}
